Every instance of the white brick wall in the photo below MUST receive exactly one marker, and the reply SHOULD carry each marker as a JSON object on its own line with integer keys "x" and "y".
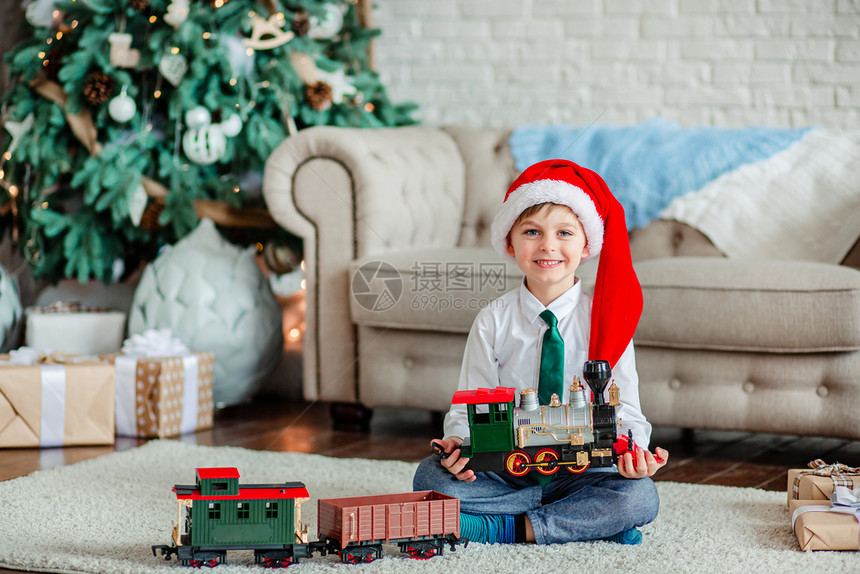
{"x": 700, "y": 62}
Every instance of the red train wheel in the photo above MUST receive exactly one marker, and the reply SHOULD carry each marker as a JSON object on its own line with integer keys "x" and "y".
{"x": 578, "y": 469}
{"x": 516, "y": 461}
{"x": 275, "y": 562}
{"x": 548, "y": 459}
{"x": 419, "y": 554}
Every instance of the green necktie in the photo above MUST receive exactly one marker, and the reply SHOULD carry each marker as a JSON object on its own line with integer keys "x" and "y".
{"x": 551, "y": 360}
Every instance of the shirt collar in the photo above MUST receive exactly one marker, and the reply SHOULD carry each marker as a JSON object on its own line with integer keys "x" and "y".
{"x": 563, "y": 305}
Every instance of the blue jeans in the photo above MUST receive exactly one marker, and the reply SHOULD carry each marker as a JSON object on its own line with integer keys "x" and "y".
{"x": 595, "y": 504}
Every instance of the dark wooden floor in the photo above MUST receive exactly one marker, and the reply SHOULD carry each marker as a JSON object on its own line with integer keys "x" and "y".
{"x": 276, "y": 424}
{"x": 272, "y": 423}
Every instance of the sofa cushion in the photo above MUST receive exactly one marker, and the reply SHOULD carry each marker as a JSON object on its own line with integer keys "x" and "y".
{"x": 428, "y": 289}
{"x": 746, "y": 305}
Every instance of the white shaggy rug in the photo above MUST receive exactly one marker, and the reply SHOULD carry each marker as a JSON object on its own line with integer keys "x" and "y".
{"x": 102, "y": 515}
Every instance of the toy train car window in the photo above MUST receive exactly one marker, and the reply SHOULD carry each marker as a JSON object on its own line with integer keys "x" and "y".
{"x": 219, "y": 486}
{"x": 243, "y": 510}
{"x": 214, "y": 510}
{"x": 500, "y": 413}
{"x": 271, "y": 510}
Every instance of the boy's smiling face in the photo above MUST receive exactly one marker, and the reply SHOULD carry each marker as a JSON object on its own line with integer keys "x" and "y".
{"x": 548, "y": 246}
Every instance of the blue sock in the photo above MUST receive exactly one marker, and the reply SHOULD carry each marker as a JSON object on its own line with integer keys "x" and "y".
{"x": 488, "y": 528}
{"x": 629, "y": 536}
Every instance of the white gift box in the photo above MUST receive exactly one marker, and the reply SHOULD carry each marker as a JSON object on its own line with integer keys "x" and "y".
{"x": 74, "y": 329}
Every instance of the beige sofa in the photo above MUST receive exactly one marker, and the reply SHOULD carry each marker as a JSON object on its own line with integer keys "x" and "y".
{"x": 395, "y": 225}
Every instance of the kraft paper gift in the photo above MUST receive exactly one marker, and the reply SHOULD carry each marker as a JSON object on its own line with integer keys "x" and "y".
{"x": 818, "y": 526}
{"x": 817, "y": 481}
{"x": 71, "y": 328}
{"x": 56, "y": 400}
{"x": 165, "y": 394}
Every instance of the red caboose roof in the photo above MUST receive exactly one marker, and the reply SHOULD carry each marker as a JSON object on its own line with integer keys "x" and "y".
{"x": 288, "y": 490}
{"x": 484, "y": 396}
{"x": 225, "y": 472}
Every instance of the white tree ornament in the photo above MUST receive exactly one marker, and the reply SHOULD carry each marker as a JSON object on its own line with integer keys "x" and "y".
{"x": 11, "y": 312}
{"x": 122, "y": 108}
{"x": 122, "y": 55}
{"x": 206, "y": 145}
{"x": 213, "y": 296}
{"x": 177, "y": 12}
{"x": 340, "y": 84}
{"x": 327, "y": 27}
{"x": 173, "y": 67}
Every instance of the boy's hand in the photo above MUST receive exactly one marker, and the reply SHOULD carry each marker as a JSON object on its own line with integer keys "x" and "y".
{"x": 453, "y": 462}
{"x": 642, "y": 463}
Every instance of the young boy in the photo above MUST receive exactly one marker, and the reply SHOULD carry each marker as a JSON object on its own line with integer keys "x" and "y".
{"x": 555, "y": 215}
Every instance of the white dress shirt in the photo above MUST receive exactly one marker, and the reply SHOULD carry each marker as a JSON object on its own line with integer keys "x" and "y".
{"x": 504, "y": 347}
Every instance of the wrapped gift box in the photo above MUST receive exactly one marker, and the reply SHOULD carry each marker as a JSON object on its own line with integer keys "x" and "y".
{"x": 58, "y": 401}
{"x": 819, "y": 527}
{"x": 815, "y": 486}
{"x": 70, "y": 328}
{"x": 163, "y": 396}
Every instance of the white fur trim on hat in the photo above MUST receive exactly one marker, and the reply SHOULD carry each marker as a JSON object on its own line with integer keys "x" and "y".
{"x": 548, "y": 191}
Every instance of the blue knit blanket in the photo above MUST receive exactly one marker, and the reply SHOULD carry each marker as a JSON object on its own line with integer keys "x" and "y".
{"x": 648, "y": 165}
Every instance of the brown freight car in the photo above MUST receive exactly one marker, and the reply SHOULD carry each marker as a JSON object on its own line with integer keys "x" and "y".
{"x": 421, "y": 523}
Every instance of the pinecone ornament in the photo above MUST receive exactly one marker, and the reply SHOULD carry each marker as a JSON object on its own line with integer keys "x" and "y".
{"x": 149, "y": 219}
{"x": 301, "y": 24}
{"x": 319, "y": 96}
{"x": 214, "y": 297}
{"x": 98, "y": 88}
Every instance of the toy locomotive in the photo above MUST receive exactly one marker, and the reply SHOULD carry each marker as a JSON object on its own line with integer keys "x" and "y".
{"x": 221, "y": 515}
{"x": 544, "y": 438}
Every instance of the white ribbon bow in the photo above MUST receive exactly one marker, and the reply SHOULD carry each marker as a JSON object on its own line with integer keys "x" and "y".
{"x": 154, "y": 343}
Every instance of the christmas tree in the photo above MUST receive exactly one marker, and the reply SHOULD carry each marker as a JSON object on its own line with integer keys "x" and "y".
{"x": 129, "y": 120}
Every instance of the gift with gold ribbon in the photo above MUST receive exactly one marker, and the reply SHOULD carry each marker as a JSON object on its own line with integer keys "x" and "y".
{"x": 818, "y": 481}
{"x": 163, "y": 389}
{"x": 55, "y": 399}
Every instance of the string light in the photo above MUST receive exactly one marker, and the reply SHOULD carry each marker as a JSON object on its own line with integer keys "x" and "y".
{"x": 266, "y": 84}
{"x": 74, "y": 24}
{"x": 259, "y": 247}
{"x": 13, "y": 190}
{"x": 42, "y": 55}
{"x": 236, "y": 190}
{"x": 44, "y": 205}
{"x": 206, "y": 35}
{"x": 302, "y": 284}
{"x": 249, "y": 52}
{"x": 294, "y": 334}
{"x": 156, "y": 94}
{"x": 368, "y": 107}
{"x": 7, "y": 156}
{"x": 49, "y": 41}
{"x": 152, "y": 19}
{"x": 59, "y": 35}
{"x": 232, "y": 81}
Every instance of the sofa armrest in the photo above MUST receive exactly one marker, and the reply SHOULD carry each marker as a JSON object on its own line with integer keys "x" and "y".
{"x": 347, "y": 193}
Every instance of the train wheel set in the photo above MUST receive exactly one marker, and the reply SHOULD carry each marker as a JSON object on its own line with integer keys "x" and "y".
{"x": 546, "y": 461}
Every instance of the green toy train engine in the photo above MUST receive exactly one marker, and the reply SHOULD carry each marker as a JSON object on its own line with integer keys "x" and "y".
{"x": 545, "y": 438}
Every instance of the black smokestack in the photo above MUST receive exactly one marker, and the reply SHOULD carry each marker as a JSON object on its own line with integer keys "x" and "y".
{"x": 597, "y": 375}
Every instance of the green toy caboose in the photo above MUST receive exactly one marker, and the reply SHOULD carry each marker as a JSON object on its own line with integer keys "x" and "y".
{"x": 220, "y": 515}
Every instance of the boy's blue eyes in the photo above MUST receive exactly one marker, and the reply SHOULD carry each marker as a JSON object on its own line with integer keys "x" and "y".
{"x": 536, "y": 232}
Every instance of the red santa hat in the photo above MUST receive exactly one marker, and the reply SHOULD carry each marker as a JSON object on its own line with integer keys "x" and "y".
{"x": 617, "y": 299}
